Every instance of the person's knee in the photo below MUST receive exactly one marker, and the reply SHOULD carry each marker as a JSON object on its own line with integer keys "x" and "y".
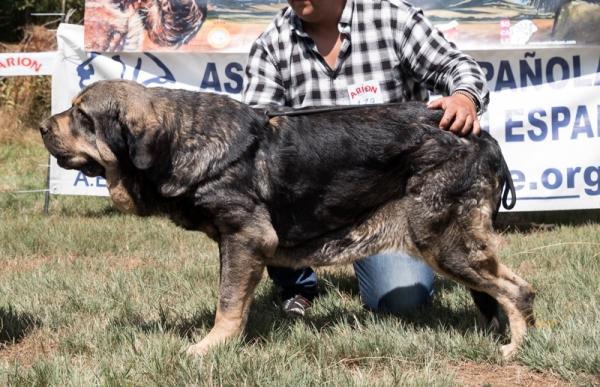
{"x": 394, "y": 282}
{"x": 401, "y": 300}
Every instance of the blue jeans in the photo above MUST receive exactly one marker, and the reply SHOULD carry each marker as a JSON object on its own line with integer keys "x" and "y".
{"x": 392, "y": 281}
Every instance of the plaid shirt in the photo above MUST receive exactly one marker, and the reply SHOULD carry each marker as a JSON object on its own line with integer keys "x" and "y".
{"x": 402, "y": 51}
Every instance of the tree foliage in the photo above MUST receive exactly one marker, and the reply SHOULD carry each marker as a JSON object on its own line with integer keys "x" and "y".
{"x": 16, "y": 14}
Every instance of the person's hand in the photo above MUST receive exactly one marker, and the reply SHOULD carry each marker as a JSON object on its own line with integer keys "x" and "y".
{"x": 460, "y": 115}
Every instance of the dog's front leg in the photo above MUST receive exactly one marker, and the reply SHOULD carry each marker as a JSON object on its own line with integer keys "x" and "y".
{"x": 241, "y": 271}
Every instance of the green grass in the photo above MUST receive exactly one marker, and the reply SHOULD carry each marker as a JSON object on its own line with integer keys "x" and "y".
{"x": 92, "y": 297}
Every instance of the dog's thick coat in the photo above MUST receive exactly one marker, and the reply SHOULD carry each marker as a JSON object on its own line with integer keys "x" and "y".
{"x": 311, "y": 190}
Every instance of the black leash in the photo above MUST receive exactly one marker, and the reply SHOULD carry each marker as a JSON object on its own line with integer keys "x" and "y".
{"x": 508, "y": 188}
{"x": 305, "y": 112}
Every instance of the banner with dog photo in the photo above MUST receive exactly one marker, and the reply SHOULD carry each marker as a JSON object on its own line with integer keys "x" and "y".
{"x": 544, "y": 110}
{"x": 176, "y": 25}
{"x": 232, "y": 25}
{"x": 515, "y": 23}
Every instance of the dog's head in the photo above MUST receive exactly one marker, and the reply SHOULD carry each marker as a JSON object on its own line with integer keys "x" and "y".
{"x": 149, "y": 142}
{"x": 110, "y": 130}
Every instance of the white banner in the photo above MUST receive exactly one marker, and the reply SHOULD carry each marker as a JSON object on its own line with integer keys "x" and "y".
{"x": 26, "y": 63}
{"x": 544, "y": 110}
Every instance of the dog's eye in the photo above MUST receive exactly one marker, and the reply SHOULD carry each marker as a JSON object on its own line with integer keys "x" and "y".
{"x": 84, "y": 119}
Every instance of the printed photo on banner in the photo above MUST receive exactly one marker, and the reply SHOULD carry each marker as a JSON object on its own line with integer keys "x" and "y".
{"x": 485, "y": 23}
{"x": 232, "y": 25}
{"x": 176, "y": 25}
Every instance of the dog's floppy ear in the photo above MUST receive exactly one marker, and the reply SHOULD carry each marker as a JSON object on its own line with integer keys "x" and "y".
{"x": 143, "y": 133}
{"x": 144, "y": 136}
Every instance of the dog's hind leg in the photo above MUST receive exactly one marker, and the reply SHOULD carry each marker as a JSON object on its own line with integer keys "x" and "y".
{"x": 480, "y": 271}
{"x": 516, "y": 297}
{"x": 456, "y": 238}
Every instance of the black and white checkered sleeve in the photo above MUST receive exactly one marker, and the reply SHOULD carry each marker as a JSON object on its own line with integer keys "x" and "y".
{"x": 431, "y": 60}
{"x": 263, "y": 84}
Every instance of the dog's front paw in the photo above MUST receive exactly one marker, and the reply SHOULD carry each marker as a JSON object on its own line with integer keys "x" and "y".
{"x": 197, "y": 350}
{"x": 509, "y": 350}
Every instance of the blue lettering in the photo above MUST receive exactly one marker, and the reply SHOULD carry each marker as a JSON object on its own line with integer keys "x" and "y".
{"x": 505, "y": 71}
{"x": 167, "y": 77}
{"x": 579, "y": 82}
{"x": 582, "y": 115}
{"x": 534, "y": 77}
{"x": 488, "y": 68}
{"x": 538, "y": 123}
{"x": 211, "y": 72}
{"x": 571, "y": 172}
{"x": 558, "y": 123}
{"x": 81, "y": 178}
{"x": 587, "y": 177}
{"x": 557, "y": 176}
{"x": 86, "y": 70}
{"x": 100, "y": 182}
{"x": 550, "y": 72}
{"x": 510, "y": 124}
{"x": 597, "y": 79}
{"x": 136, "y": 70}
{"x": 234, "y": 77}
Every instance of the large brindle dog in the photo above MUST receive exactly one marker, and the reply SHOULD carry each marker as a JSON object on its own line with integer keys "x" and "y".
{"x": 309, "y": 190}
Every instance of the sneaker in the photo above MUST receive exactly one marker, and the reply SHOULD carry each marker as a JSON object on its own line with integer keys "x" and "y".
{"x": 296, "y": 305}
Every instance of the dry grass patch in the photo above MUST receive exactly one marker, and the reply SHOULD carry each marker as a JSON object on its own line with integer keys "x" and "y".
{"x": 24, "y": 264}
{"x": 470, "y": 374}
{"x": 29, "y": 350}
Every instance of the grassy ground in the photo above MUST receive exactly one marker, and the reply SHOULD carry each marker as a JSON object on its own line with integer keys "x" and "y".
{"x": 91, "y": 297}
